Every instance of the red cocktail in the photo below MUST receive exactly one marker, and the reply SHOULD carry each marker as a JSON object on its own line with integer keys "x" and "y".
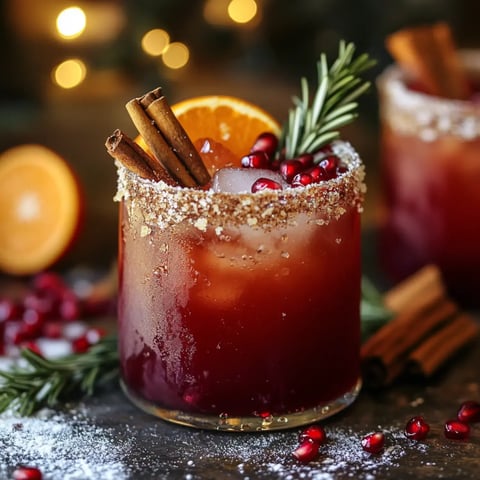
{"x": 431, "y": 173}
{"x": 241, "y": 310}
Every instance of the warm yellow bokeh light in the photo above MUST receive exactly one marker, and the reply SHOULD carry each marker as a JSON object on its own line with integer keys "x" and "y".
{"x": 71, "y": 22}
{"x": 155, "y": 42}
{"x": 70, "y": 73}
{"x": 242, "y": 11}
{"x": 176, "y": 55}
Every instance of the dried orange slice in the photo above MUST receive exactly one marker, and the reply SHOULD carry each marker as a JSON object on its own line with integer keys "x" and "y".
{"x": 40, "y": 209}
{"x": 232, "y": 122}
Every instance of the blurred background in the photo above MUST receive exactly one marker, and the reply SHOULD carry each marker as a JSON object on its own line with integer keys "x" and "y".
{"x": 68, "y": 68}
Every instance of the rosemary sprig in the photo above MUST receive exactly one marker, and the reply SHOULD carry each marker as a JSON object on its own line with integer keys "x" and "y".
{"x": 46, "y": 383}
{"x": 314, "y": 121}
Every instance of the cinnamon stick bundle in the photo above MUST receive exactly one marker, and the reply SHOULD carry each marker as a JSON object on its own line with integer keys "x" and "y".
{"x": 429, "y": 56}
{"x": 427, "y": 330}
{"x": 130, "y": 154}
{"x": 166, "y": 138}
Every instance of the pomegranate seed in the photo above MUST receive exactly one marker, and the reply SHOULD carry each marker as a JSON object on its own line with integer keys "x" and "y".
{"x": 456, "y": 430}
{"x": 266, "y": 142}
{"x": 289, "y": 168}
{"x": 265, "y": 183}
{"x": 255, "y": 160}
{"x": 32, "y": 322}
{"x": 469, "y": 412}
{"x": 314, "y": 433}
{"x": 69, "y": 308}
{"x": 373, "y": 442}
{"x": 306, "y": 451}
{"x": 27, "y": 473}
{"x": 31, "y": 345}
{"x": 317, "y": 173}
{"x": 41, "y": 302}
{"x": 49, "y": 282}
{"x": 306, "y": 160}
{"x": 417, "y": 428}
{"x": 302, "y": 179}
{"x": 330, "y": 164}
{"x": 52, "y": 329}
{"x": 80, "y": 344}
{"x": 9, "y": 310}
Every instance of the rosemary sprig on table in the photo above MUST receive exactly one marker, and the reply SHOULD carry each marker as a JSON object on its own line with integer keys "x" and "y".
{"x": 314, "y": 122}
{"x": 45, "y": 383}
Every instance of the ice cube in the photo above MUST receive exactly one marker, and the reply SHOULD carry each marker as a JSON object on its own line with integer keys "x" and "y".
{"x": 240, "y": 180}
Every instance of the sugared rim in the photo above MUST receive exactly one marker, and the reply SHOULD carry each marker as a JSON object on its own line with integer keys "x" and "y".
{"x": 163, "y": 205}
{"x": 427, "y": 116}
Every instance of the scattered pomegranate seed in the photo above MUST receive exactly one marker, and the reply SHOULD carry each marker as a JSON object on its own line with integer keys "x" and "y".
{"x": 373, "y": 442}
{"x": 266, "y": 142}
{"x": 31, "y": 345}
{"x": 289, "y": 168}
{"x": 257, "y": 159}
{"x": 314, "y": 433}
{"x": 43, "y": 303}
{"x": 417, "y": 428}
{"x": 265, "y": 183}
{"x": 306, "y": 451}
{"x": 27, "y": 473}
{"x": 9, "y": 310}
{"x": 49, "y": 282}
{"x": 456, "y": 430}
{"x": 52, "y": 329}
{"x": 69, "y": 308}
{"x": 469, "y": 412}
{"x": 80, "y": 344}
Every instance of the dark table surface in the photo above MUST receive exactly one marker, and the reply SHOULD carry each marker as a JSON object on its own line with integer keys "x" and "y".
{"x": 106, "y": 437}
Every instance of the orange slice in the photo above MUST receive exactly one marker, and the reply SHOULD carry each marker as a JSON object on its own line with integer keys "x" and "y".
{"x": 230, "y": 121}
{"x": 40, "y": 209}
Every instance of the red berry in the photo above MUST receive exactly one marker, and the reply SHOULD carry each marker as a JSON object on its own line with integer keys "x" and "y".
{"x": 9, "y": 310}
{"x": 306, "y": 160}
{"x": 302, "y": 179}
{"x": 314, "y": 433}
{"x": 306, "y": 451}
{"x": 80, "y": 344}
{"x": 456, "y": 430}
{"x": 265, "y": 183}
{"x": 266, "y": 142}
{"x": 257, "y": 159}
{"x": 417, "y": 428}
{"x": 52, "y": 329}
{"x": 69, "y": 308}
{"x": 330, "y": 164}
{"x": 373, "y": 442}
{"x": 469, "y": 412}
{"x": 27, "y": 473}
{"x": 289, "y": 168}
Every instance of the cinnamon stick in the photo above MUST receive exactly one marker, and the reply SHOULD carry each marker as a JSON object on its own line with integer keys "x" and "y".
{"x": 163, "y": 155}
{"x": 159, "y": 110}
{"x": 130, "y": 154}
{"x": 429, "y": 56}
{"x": 434, "y": 352}
{"x": 426, "y": 319}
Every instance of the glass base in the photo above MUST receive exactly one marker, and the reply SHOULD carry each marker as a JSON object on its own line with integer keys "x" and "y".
{"x": 247, "y": 423}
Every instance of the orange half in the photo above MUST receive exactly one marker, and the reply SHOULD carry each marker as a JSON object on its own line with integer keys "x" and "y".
{"x": 40, "y": 209}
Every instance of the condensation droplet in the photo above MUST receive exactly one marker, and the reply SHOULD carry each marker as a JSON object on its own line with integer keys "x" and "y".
{"x": 285, "y": 255}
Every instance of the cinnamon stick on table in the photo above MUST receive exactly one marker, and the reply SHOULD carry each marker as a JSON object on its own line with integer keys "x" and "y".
{"x": 166, "y": 138}
{"x": 429, "y": 56}
{"x": 428, "y": 328}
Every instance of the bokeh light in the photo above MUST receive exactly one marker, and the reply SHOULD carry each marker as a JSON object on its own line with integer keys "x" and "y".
{"x": 71, "y": 22}
{"x": 242, "y": 11}
{"x": 176, "y": 55}
{"x": 69, "y": 73}
{"x": 155, "y": 41}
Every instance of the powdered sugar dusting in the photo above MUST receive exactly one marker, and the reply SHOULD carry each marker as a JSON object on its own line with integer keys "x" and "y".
{"x": 63, "y": 448}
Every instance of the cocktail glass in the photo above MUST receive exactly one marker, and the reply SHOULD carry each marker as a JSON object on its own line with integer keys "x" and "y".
{"x": 430, "y": 181}
{"x": 241, "y": 311}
